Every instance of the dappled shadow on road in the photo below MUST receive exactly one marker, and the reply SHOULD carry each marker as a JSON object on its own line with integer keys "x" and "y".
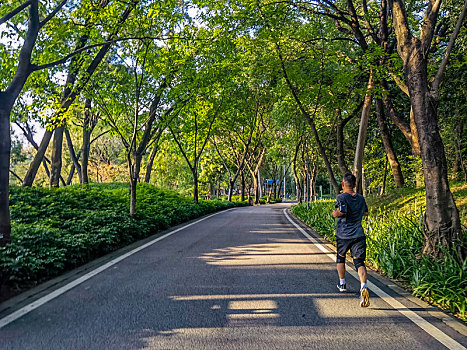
{"x": 256, "y": 286}
{"x": 274, "y": 253}
{"x": 275, "y": 292}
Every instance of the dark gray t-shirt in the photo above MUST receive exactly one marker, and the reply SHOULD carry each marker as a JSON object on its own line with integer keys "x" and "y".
{"x": 349, "y": 225}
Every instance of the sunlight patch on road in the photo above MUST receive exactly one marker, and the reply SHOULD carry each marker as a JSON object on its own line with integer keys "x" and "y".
{"x": 252, "y": 304}
{"x": 340, "y": 308}
{"x": 251, "y": 316}
{"x": 252, "y": 309}
{"x": 291, "y": 253}
{"x": 252, "y": 296}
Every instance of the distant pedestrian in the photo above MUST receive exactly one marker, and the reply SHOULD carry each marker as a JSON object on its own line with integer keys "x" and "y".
{"x": 350, "y": 208}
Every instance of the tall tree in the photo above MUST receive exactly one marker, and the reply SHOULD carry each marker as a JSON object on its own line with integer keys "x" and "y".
{"x": 442, "y": 223}
{"x": 192, "y": 135}
{"x": 24, "y": 61}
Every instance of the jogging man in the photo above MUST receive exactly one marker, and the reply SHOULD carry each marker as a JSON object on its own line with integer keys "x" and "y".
{"x": 350, "y": 208}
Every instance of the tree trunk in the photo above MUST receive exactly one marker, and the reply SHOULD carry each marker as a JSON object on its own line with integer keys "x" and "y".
{"x": 297, "y": 183}
{"x": 416, "y": 150}
{"x": 256, "y": 187}
{"x": 73, "y": 156}
{"x": 36, "y": 162}
{"x": 340, "y": 143}
{"x": 150, "y": 164}
{"x": 461, "y": 168}
{"x": 442, "y": 222}
{"x": 133, "y": 186}
{"x": 56, "y": 166}
{"x": 442, "y": 228}
{"x": 298, "y": 187}
{"x": 5, "y": 148}
{"x": 231, "y": 185}
{"x": 391, "y": 111}
{"x": 86, "y": 148}
{"x": 295, "y": 174}
{"x": 243, "y": 187}
{"x": 358, "y": 161}
{"x": 408, "y": 130}
{"x": 134, "y": 167}
{"x": 88, "y": 126}
{"x": 70, "y": 175}
{"x": 194, "y": 171}
{"x": 313, "y": 184}
{"x": 27, "y": 132}
{"x": 387, "y": 142}
{"x": 383, "y": 188}
{"x": 7, "y": 100}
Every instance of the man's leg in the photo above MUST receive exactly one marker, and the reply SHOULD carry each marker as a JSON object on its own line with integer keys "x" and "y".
{"x": 341, "y": 270}
{"x": 362, "y": 274}
{"x": 340, "y": 260}
{"x": 359, "y": 253}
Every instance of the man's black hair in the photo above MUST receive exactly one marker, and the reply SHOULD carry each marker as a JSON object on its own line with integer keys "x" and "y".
{"x": 349, "y": 179}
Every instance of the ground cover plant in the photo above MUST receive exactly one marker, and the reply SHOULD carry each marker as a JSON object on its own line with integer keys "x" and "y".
{"x": 55, "y": 230}
{"x": 395, "y": 242}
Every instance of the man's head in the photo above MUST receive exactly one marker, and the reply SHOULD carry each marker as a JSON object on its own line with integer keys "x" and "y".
{"x": 349, "y": 180}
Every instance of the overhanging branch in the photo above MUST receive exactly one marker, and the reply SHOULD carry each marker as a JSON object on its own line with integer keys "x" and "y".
{"x": 13, "y": 13}
{"x": 444, "y": 62}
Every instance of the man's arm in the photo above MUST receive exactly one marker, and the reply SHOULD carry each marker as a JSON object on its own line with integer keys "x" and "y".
{"x": 336, "y": 213}
{"x": 365, "y": 213}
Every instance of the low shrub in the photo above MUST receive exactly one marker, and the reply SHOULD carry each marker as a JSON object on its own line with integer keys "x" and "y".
{"x": 264, "y": 200}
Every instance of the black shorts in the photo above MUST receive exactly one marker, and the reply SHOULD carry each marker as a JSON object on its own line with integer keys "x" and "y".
{"x": 357, "y": 247}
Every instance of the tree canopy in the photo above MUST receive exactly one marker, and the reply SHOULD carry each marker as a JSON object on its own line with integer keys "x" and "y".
{"x": 214, "y": 98}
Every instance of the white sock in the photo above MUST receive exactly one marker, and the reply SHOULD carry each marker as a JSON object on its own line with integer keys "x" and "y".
{"x": 341, "y": 281}
{"x": 363, "y": 285}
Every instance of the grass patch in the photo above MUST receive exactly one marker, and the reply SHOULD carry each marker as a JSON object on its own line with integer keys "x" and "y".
{"x": 395, "y": 243}
{"x": 55, "y": 230}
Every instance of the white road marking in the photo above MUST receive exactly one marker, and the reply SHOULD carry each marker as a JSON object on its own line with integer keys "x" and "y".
{"x": 412, "y": 316}
{"x": 45, "y": 299}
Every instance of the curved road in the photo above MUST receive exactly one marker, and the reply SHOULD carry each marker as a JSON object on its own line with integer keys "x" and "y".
{"x": 246, "y": 278}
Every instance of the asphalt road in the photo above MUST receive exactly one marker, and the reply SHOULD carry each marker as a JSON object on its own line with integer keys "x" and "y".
{"x": 241, "y": 279}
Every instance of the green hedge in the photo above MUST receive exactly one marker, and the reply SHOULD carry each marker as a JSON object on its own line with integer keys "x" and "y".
{"x": 394, "y": 246}
{"x": 54, "y": 230}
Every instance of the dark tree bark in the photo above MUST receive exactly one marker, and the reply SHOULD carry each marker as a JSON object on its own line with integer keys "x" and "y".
{"x": 36, "y": 162}
{"x": 195, "y": 185}
{"x": 442, "y": 223}
{"x": 7, "y": 100}
{"x": 387, "y": 142}
{"x": 5, "y": 146}
{"x": 340, "y": 143}
{"x": 27, "y": 132}
{"x": 243, "y": 186}
{"x": 89, "y": 123}
{"x": 442, "y": 226}
{"x": 73, "y": 156}
{"x": 359, "y": 150}
{"x": 150, "y": 166}
{"x": 295, "y": 174}
{"x": 383, "y": 188}
{"x": 253, "y": 165}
